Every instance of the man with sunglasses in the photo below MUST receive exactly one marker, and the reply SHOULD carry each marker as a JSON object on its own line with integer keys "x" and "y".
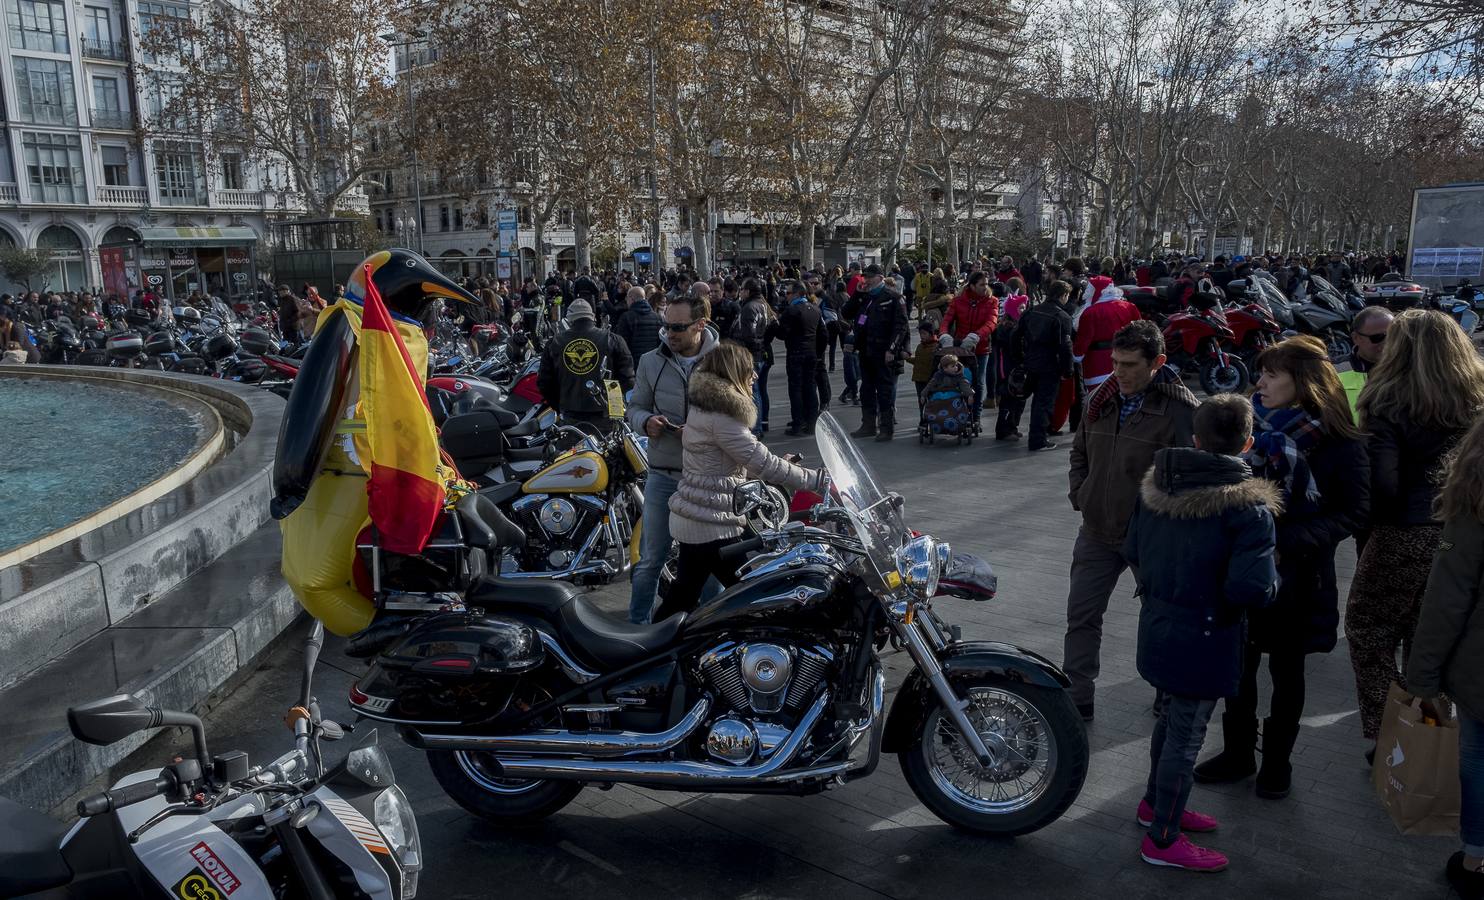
{"x": 657, "y": 408}
{"x": 1368, "y": 333}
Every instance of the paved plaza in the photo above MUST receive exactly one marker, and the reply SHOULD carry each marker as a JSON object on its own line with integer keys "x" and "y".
{"x": 872, "y": 838}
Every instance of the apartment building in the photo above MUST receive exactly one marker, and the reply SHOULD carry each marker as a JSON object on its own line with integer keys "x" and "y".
{"x": 82, "y": 176}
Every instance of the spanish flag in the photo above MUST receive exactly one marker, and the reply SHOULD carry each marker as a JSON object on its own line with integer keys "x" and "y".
{"x": 404, "y": 492}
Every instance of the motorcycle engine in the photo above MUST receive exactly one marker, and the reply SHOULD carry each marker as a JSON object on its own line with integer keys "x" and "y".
{"x": 555, "y": 527}
{"x": 759, "y": 679}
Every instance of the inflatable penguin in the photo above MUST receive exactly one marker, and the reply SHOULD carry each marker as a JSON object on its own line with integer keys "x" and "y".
{"x": 321, "y": 468}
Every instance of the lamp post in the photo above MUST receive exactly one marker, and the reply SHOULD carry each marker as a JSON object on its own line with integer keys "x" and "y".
{"x": 1138, "y": 162}
{"x": 417, "y": 184}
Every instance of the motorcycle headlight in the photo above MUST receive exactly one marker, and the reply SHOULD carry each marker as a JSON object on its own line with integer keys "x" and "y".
{"x": 398, "y": 824}
{"x": 919, "y": 563}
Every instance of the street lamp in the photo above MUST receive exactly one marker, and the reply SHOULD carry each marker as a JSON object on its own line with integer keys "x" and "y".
{"x": 417, "y": 185}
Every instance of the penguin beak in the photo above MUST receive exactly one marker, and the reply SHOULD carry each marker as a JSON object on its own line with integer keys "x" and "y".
{"x": 450, "y": 291}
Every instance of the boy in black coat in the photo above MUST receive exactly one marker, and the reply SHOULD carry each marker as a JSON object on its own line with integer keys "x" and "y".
{"x": 1201, "y": 543}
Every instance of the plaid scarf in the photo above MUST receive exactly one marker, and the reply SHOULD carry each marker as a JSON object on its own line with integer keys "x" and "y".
{"x": 1165, "y": 381}
{"x": 1279, "y": 448}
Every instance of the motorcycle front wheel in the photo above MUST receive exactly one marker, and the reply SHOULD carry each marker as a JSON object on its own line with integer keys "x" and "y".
{"x": 1224, "y": 379}
{"x": 1338, "y": 345}
{"x": 1041, "y": 755}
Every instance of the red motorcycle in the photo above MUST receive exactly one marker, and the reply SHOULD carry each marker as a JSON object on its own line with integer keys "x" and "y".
{"x": 1253, "y": 330}
{"x": 1202, "y": 340}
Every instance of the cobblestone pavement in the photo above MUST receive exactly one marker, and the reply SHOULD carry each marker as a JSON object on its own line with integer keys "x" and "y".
{"x": 871, "y": 838}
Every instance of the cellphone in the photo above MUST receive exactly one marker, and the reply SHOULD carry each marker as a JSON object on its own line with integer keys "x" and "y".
{"x": 672, "y": 427}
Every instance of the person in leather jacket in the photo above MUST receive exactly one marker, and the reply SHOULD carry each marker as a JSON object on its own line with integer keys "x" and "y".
{"x": 575, "y": 364}
{"x": 878, "y": 317}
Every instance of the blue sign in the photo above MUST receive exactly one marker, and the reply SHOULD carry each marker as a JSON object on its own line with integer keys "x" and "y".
{"x": 643, "y": 257}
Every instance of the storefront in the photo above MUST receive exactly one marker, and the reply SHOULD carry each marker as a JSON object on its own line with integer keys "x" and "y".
{"x": 173, "y": 262}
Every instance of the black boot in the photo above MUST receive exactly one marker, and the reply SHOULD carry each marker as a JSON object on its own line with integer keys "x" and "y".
{"x": 1275, "y": 778}
{"x": 888, "y": 429}
{"x": 868, "y": 427}
{"x": 1237, "y": 758}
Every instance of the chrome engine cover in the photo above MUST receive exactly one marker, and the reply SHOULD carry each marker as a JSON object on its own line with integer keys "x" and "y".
{"x": 765, "y": 678}
{"x": 557, "y": 516}
{"x": 732, "y": 740}
{"x": 766, "y": 670}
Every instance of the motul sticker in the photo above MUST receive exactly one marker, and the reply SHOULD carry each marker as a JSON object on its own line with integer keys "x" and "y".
{"x": 215, "y": 868}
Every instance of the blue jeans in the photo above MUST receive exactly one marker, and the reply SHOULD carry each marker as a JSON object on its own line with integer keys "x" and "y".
{"x": 760, "y": 396}
{"x": 1471, "y": 780}
{"x": 852, "y": 374}
{"x": 654, "y": 548}
{"x": 1178, "y": 734}
{"x": 976, "y": 376}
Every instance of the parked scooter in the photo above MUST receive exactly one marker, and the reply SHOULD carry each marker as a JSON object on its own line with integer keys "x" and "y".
{"x": 214, "y": 826}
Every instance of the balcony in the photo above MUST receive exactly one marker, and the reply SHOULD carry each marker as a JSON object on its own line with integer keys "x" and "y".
{"x": 9, "y": 193}
{"x": 227, "y": 199}
{"x": 110, "y": 50}
{"x": 120, "y": 119}
{"x": 121, "y": 195}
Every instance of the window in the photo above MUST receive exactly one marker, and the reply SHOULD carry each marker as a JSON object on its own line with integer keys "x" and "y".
{"x": 166, "y": 106}
{"x": 105, "y": 93}
{"x": 54, "y": 167}
{"x": 97, "y": 25}
{"x": 115, "y": 166}
{"x": 232, "y": 171}
{"x": 154, "y": 16}
{"x": 458, "y": 218}
{"x": 45, "y": 92}
{"x": 178, "y": 175}
{"x": 443, "y": 217}
{"x": 523, "y": 215}
{"x": 37, "y": 25}
{"x": 564, "y": 216}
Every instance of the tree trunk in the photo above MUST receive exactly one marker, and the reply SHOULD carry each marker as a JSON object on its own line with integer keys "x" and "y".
{"x": 950, "y": 219}
{"x": 582, "y": 237}
{"x": 700, "y": 258}
{"x": 538, "y": 225}
{"x": 891, "y": 239}
{"x": 806, "y": 242}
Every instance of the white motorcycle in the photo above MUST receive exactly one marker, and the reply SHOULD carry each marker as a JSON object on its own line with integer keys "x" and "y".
{"x": 213, "y": 827}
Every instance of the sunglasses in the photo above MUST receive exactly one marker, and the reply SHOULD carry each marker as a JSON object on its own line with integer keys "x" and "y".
{"x": 678, "y": 327}
{"x": 1373, "y": 338}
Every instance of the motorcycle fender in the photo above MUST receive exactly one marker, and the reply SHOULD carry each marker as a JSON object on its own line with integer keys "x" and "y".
{"x": 976, "y": 660}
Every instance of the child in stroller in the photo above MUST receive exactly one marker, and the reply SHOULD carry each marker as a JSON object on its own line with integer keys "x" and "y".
{"x": 947, "y": 403}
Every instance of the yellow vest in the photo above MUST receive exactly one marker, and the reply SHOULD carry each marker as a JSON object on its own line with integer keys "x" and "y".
{"x": 1353, "y": 382}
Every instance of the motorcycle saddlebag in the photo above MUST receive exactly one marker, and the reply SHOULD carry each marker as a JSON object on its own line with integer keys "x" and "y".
{"x": 125, "y": 345}
{"x": 453, "y": 668}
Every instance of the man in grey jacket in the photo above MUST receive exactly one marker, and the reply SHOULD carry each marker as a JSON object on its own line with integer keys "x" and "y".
{"x": 657, "y": 408}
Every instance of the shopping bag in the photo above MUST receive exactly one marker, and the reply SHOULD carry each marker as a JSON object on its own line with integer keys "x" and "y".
{"x": 1416, "y": 768}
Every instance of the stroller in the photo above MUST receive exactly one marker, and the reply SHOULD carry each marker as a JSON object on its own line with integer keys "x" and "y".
{"x": 947, "y": 413}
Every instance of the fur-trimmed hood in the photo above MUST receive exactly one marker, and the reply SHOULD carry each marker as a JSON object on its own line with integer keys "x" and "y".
{"x": 715, "y": 394}
{"x": 1185, "y": 483}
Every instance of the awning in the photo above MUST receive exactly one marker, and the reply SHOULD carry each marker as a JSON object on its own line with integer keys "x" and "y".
{"x": 198, "y": 235}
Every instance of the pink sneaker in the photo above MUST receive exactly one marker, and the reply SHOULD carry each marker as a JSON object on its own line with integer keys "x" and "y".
{"x": 1182, "y": 855}
{"x": 1193, "y": 822}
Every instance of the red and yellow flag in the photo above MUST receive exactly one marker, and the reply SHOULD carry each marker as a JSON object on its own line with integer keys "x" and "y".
{"x": 404, "y": 493}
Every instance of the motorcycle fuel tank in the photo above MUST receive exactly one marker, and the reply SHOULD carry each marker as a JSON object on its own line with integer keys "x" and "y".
{"x": 790, "y": 597}
{"x": 574, "y": 473}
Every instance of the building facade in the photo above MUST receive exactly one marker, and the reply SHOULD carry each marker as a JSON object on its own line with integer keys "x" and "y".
{"x": 82, "y": 177}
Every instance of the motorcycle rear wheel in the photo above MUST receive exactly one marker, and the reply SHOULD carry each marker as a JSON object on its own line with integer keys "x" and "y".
{"x": 1041, "y": 743}
{"x": 466, "y": 777}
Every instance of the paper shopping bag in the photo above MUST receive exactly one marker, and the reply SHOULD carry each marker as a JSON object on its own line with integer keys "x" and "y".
{"x": 1416, "y": 768}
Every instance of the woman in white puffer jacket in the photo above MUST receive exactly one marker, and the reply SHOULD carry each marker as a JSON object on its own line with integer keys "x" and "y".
{"x": 720, "y": 453}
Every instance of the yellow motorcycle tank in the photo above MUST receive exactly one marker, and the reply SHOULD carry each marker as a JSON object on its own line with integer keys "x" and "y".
{"x": 572, "y": 473}
{"x": 638, "y": 459}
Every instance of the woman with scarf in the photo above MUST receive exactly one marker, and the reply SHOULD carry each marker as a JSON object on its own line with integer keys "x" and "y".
{"x": 1304, "y": 440}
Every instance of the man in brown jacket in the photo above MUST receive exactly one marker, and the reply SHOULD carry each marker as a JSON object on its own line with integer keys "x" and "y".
{"x": 1142, "y": 408}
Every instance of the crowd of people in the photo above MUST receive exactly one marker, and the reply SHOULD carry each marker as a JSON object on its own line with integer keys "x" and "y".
{"x": 1228, "y": 510}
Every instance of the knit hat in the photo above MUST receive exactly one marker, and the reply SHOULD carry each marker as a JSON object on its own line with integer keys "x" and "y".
{"x": 580, "y": 309}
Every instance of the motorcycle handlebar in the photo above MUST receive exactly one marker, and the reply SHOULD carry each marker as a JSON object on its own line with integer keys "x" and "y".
{"x": 741, "y": 549}
{"x": 128, "y": 795}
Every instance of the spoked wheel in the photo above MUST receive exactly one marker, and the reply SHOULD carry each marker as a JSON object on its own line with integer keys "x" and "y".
{"x": 473, "y": 780}
{"x": 1338, "y": 345}
{"x": 1040, "y": 755}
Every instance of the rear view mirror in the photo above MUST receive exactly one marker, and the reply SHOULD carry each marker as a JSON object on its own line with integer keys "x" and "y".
{"x": 111, "y": 719}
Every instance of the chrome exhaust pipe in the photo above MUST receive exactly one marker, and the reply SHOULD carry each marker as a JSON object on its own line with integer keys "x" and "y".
{"x": 598, "y": 744}
{"x": 684, "y": 773}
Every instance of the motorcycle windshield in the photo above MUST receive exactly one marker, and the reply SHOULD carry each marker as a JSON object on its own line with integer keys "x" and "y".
{"x": 876, "y": 518}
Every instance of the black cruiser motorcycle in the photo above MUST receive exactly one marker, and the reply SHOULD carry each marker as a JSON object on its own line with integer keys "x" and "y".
{"x": 528, "y": 692}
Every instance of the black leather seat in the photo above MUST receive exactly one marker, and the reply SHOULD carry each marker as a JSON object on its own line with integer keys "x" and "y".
{"x": 523, "y": 429}
{"x": 611, "y": 643}
{"x": 545, "y": 598}
{"x": 30, "y": 855}
{"x": 502, "y": 492}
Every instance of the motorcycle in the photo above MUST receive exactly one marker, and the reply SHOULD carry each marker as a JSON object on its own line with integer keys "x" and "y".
{"x": 1199, "y": 339}
{"x": 579, "y": 508}
{"x": 522, "y": 692}
{"x": 1254, "y": 329}
{"x": 1326, "y": 315}
{"x": 213, "y": 826}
